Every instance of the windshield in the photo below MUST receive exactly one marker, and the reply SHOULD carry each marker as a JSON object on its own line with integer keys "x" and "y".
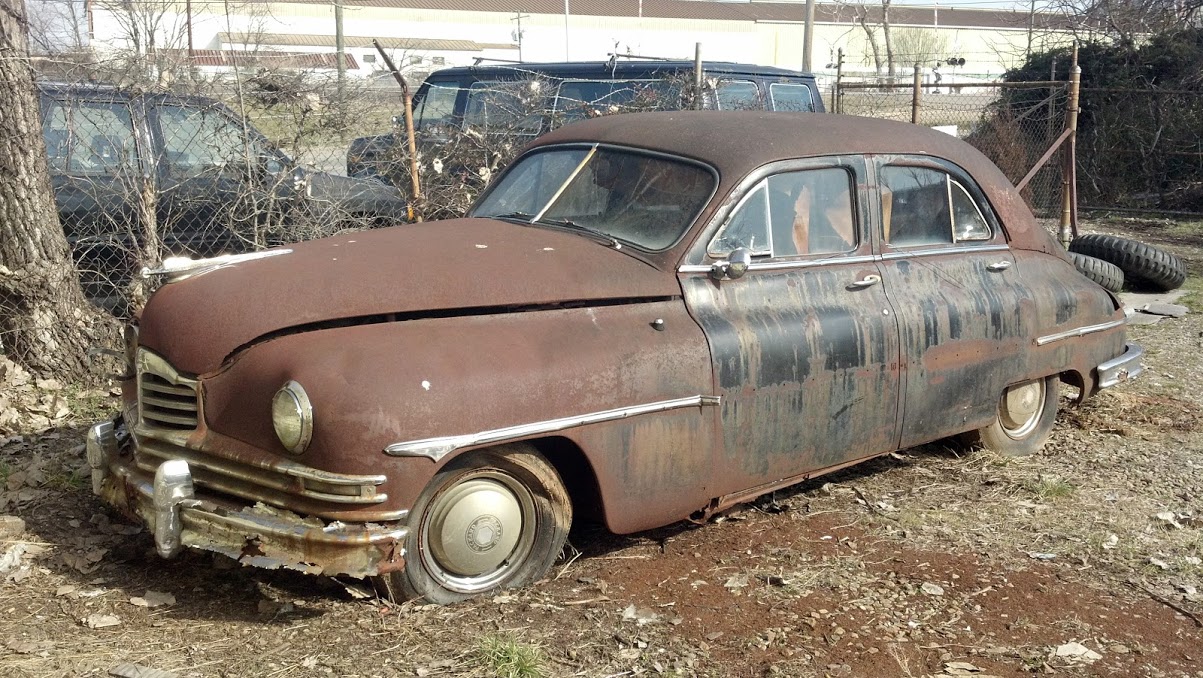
{"x": 644, "y": 200}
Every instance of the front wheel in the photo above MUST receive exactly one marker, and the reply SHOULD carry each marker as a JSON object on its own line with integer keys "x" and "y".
{"x": 494, "y": 519}
{"x": 1026, "y": 412}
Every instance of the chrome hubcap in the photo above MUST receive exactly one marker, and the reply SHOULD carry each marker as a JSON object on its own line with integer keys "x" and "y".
{"x": 1020, "y": 408}
{"x": 474, "y": 532}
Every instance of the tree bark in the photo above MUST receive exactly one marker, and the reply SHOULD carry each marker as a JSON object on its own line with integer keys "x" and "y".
{"x": 885, "y": 30}
{"x": 45, "y": 322}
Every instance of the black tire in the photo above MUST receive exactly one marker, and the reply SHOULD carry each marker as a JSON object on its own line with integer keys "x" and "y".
{"x": 1105, "y": 273}
{"x": 474, "y": 506}
{"x": 1143, "y": 265}
{"x": 1026, "y": 412}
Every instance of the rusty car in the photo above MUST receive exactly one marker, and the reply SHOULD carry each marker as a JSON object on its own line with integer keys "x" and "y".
{"x": 646, "y": 318}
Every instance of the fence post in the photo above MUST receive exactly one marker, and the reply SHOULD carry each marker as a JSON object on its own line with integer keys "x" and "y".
{"x": 697, "y": 76}
{"x": 915, "y": 95}
{"x": 839, "y": 77}
{"x": 1069, "y": 174}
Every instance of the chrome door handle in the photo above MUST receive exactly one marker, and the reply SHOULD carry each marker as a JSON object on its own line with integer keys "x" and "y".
{"x": 998, "y": 266}
{"x": 869, "y": 281}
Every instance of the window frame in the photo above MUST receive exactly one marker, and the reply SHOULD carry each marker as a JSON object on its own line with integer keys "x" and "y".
{"x": 810, "y": 95}
{"x": 952, "y": 172}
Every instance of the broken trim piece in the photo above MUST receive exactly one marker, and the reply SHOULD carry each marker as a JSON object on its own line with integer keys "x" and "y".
{"x": 1079, "y": 331}
{"x": 437, "y": 448}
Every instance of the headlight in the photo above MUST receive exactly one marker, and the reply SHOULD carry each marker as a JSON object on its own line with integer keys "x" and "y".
{"x": 292, "y": 417}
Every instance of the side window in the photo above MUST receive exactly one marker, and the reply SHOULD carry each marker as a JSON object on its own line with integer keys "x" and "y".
{"x": 923, "y": 206}
{"x": 793, "y": 213}
{"x": 738, "y": 95}
{"x": 791, "y": 97}
{"x": 91, "y": 138}
{"x": 200, "y": 142}
{"x": 812, "y": 212}
{"x": 510, "y": 106}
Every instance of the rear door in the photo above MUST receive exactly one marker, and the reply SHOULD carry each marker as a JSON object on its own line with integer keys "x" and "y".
{"x": 804, "y": 345}
{"x": 951, "y": 275}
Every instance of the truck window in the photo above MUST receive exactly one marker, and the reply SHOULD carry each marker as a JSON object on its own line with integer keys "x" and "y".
{"x": 738, "y": 95}
{"x": 505, "y": 106}
{"x": 437, "y": 106}
{"x": 791, "y": 97}
{"x": 89, "y": 137}
{"x": 201, "y": 141}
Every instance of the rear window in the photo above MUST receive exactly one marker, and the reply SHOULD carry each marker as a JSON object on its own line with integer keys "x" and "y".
{"x": 791, "y": 97}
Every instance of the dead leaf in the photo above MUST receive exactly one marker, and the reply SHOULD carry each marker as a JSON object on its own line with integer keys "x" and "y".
{"x": 101, "y": 621}
{"x": 153, "y": 599}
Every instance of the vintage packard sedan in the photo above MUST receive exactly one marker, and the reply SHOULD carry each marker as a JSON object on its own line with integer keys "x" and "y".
{"x": 647, "y": 317}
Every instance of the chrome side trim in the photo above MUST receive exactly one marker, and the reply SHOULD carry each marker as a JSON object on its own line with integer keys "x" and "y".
{"x": 182, "y": 268}
{"x": 1078, "y": 331}
{"x": 1123, "y": 367}
{"x": 946, "y": 250}
{"x": 437, "y": 448}
{"x": 862, "y": 259}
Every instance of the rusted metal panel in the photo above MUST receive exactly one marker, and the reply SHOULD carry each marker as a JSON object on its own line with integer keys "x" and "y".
{"x": 424, "y": 269}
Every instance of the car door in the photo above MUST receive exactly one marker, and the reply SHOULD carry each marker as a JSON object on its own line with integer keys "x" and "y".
{"x": 804, "y": 344}
{"x": 951, "y": 276}
{"x": 219, "y": 181}
{"x": 95, "y": 155}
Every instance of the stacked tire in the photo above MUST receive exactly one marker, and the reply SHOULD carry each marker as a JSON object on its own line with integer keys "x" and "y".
{"x": 1141, "y": 266}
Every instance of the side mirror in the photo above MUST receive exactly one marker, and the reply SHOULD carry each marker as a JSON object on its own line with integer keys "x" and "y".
{"x": 271, "y": 164}
{"x": 734, "y": 267}
{"x": 301, "y": 183}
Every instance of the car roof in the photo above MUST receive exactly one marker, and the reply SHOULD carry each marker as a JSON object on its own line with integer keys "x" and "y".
{"x": 607, "y": 70}
{"x": 738, "y": 142}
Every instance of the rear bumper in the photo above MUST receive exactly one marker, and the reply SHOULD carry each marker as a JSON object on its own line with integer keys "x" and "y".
{"x": 1121, "y": 368}
{"x": 257, "y": 535}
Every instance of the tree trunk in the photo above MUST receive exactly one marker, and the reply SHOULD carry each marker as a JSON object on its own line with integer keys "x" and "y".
{"x": 885, "y": 31}
{"x": 863, "y": 20}
{"x": 45, "y": 322}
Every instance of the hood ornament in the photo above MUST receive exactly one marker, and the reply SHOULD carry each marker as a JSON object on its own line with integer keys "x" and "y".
{"x": 182, "y": 268}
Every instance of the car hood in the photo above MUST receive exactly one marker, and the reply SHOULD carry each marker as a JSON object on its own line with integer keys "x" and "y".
{"x": 413, "y": 271}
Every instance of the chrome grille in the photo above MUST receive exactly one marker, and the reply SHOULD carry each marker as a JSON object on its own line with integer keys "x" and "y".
{"x": 165, "y": 398}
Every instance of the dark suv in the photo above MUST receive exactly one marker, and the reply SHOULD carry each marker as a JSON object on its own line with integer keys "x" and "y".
{"x": 141, "y": 176}
{"x": 528, "y": 99}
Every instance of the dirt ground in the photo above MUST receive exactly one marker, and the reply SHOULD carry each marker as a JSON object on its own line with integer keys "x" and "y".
{"x": 1084, "y": 560}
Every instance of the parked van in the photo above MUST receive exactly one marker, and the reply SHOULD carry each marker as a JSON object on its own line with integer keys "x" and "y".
{"x": 529, "y": 99}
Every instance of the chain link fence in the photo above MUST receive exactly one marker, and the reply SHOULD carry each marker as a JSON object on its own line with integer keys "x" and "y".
{"x": 1013, "y": 124}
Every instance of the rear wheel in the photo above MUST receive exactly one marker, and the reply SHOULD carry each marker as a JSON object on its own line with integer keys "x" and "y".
{"x": 495, "y": 519}
{"x": 1026, "y": 412}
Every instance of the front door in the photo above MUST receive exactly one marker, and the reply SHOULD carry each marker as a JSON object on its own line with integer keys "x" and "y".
{"x": 804, "y": 345}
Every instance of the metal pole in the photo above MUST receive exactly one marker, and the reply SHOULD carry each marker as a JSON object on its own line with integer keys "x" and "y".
{"x": 808, "y": 35}
{"x": 340, "y": 48}
{"x": 839, "y": 77}
{"x": 1068, "y": 175}
{"x": 918, "y": 85}
{"x": 415, "y": 186}
{"x": 697, "y": 76}
{"x": 566, "y": 58}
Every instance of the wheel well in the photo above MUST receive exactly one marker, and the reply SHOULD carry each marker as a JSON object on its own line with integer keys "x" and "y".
{"x": 1074, "y": 378}
{"x": 578, "y": 476}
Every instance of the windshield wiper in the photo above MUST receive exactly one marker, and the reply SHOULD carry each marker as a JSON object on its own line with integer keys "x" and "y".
{"x": 516, "y": 216}
{"x": 568, "y": 223}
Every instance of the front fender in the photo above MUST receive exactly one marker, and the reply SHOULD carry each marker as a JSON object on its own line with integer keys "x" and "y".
{"x": 376, "y": 385}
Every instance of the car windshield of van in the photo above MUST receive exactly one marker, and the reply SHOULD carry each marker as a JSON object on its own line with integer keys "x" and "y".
{"x": 645, "y": 200}
{"x": 437, "y": 105}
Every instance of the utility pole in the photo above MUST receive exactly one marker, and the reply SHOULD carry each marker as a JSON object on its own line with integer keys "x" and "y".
{"x": 566, "y": 58}
{"x": 340, "y": 49}
{"x": 808, "y": 35}
{"x": 519, "y": 16}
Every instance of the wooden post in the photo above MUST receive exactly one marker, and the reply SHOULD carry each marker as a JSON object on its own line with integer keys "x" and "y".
{"x": 1069, "y": 197}
{"x": 839, "y": 77}
{"x": 918, "y": 85}
{"x": 415, "y": 186}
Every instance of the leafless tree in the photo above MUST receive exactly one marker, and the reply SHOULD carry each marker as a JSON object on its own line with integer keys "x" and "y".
{"x": 57, "y": 26}
{"x": 1127, "y": 20}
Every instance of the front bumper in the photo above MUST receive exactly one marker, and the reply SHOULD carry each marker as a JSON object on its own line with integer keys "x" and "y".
{"x": 1121, "y": 368}
{"x": 257, "y": 535}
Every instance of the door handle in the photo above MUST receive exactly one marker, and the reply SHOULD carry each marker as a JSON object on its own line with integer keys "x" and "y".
{"x": 868, "y": 281}
{"x": 998, "y": 266}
